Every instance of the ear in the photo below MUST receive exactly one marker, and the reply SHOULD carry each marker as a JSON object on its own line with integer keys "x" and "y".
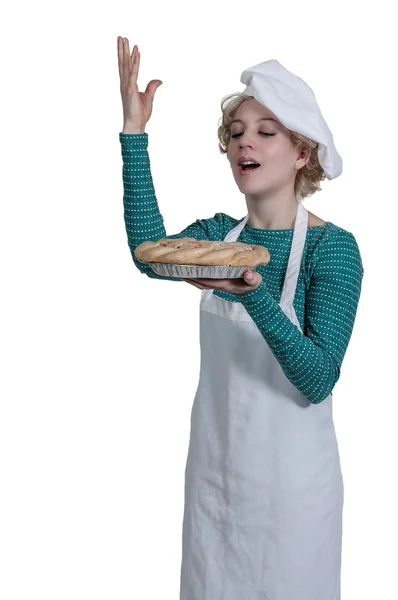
{"x": 305, "y": 154}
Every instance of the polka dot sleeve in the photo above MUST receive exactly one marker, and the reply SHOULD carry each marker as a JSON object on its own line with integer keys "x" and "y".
{"x": 312, "y": 360}
{"x": 142, "y": 217}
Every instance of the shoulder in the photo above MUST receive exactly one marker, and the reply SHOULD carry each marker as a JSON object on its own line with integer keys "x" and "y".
{"x": 337, "y": 250}
{"x": 220, "y": 225}
{"x": 338, "y": 236}
{"x": 224, "y": 224}
{"x": 314, "y": 221}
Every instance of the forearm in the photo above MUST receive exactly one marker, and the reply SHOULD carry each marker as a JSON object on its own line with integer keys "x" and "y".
{"x": 309, "y": 367}
{"x": 142, "y": 217}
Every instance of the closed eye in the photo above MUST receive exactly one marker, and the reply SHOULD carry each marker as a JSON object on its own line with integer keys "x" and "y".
{"x": 236, "y": 135}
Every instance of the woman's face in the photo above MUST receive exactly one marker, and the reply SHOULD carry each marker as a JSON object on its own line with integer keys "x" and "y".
{"x": 268, "y": 143}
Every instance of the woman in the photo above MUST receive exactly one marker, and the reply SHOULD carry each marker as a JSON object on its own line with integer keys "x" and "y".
{"x": 264, "y": 490}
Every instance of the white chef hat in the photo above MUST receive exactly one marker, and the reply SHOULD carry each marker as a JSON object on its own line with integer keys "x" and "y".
{"x": 293, "y": 102}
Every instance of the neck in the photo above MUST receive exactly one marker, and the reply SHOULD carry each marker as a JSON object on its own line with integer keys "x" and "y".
{"x": 272, "y": 211}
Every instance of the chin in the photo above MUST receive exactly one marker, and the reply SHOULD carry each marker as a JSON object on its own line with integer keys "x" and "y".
{"x": 251, "y": 187}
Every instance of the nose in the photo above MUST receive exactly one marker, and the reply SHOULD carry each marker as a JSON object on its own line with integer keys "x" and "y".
{"x": 245, "y": 140}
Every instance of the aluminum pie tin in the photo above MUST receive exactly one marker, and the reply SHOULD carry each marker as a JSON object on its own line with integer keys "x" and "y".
{"x": 198, "y": 271}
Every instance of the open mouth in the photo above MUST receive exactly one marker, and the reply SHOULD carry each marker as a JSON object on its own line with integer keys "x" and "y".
{"x": 246, "y": 169}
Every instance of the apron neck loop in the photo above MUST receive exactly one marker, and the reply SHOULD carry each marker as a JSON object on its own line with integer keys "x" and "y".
{"x": 296, "y": 251}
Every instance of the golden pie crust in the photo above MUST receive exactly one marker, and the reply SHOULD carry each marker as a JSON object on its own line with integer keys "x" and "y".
{"x": 188, "y": 251}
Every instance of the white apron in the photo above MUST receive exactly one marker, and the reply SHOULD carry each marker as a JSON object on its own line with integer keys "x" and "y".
{"x": 263, "y": 484}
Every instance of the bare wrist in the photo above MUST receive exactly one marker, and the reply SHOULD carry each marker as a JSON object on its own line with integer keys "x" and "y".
{"x": 129, "y": 129}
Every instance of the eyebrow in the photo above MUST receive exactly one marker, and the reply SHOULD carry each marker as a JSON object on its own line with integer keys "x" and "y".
{"x": 258, "y": 120}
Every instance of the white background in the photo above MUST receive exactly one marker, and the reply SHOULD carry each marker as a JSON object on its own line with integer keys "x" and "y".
{"x": 99, "y": 363}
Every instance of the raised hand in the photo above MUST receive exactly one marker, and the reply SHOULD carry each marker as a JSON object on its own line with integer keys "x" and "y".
{"x": 137, "y": 106}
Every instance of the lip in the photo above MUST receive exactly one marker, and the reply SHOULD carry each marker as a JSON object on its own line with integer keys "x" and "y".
{"x": 247, "y": 157}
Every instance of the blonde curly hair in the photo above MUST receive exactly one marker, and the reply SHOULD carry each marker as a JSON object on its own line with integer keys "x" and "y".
{"x": 308, "y": 177}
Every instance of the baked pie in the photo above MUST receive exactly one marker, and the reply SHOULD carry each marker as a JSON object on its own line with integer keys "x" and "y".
{"x": 188, "y": 257}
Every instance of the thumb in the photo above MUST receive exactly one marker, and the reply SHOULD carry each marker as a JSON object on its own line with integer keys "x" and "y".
{"x": 250, "y": 277}
{"x": 152, "y": 87}
{"x": 253, "y": 278}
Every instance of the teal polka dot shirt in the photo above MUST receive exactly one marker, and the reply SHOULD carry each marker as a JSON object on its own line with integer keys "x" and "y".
{"x": 328, "y": 287}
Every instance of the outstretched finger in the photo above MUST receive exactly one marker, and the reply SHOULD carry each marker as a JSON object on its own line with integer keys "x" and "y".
{"x": 120, "y": 53}
{"x": 135, "y": 66}
{"x": 126, "y": 56}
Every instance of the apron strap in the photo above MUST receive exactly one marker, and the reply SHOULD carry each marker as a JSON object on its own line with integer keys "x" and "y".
{"x": 233, "y": 235}
{"x": 296, "y": 254}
